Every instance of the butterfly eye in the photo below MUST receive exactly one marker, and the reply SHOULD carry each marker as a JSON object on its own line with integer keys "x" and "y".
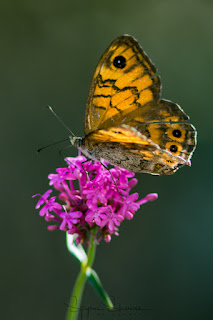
{"x": 119, "y": 62}
{"x": 176, "y": 133}
{"x": 173, "y": 148}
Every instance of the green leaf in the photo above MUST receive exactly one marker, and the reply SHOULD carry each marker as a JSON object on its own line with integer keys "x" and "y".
{"x": 78, "y": 252}
{"x": 94, "y": 280}
{"x": 75, "y": 249}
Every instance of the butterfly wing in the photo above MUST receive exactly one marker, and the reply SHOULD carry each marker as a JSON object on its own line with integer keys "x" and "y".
{"x": 128, "y": 148}
{"x": 124, "y": 80}
{"x": 164, "y": 123}
{"x": 126, "y": 90}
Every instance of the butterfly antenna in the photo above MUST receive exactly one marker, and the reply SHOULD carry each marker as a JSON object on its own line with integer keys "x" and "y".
{"x": 52, "y": 144}
{"x": 51, "y": 109}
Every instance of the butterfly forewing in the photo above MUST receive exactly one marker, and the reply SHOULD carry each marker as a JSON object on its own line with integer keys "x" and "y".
{"x": 117, "y": 90}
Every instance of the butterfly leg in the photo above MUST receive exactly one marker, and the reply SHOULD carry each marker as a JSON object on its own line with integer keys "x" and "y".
{"x": 86, "y": 172}
{"x": 62, "y": 156}
{"x": 111, "y": 177}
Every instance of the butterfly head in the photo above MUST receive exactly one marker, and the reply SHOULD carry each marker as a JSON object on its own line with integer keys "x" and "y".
{"x": 76, "y": 141}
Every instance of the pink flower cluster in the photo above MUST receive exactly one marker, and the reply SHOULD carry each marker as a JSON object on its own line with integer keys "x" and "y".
{"x": 95, "y": 198}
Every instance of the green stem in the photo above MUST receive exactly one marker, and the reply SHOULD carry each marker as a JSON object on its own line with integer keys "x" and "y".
{"x": 75, "y": 301}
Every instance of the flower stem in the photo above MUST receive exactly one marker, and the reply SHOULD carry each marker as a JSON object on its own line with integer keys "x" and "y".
{"x": 75, "y": 300}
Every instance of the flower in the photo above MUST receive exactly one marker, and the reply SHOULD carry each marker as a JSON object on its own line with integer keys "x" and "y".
{"x": 95, "y": 199}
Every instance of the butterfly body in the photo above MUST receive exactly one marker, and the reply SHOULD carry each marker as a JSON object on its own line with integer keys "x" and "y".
{"x": 126, "y": 122}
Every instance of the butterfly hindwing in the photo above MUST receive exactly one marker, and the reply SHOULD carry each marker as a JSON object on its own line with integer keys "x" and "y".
{"x": 126, "y": 147}
{"x": 164, "y": 123}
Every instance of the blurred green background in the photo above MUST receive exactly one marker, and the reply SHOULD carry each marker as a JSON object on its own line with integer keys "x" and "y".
{"x": 163, "y": 258}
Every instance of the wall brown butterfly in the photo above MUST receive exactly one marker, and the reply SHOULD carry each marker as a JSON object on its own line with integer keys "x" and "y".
{"x": 127, "y": 123}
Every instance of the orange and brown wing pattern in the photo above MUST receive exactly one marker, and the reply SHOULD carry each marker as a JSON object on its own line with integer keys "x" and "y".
{"x": 126, "y": 147}
{"x": 124, "y": 81}
{"x": 164, "y": 123}
{"x": 126, "y": 119}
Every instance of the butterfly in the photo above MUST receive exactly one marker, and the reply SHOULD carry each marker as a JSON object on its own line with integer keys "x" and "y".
{"x": 126, "y": 122}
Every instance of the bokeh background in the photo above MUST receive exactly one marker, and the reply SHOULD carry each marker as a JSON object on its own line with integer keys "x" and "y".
{"x": 163, "y": 258}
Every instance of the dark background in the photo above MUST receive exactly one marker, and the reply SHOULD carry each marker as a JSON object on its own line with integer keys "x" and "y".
{"x": 163, "y": 258}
